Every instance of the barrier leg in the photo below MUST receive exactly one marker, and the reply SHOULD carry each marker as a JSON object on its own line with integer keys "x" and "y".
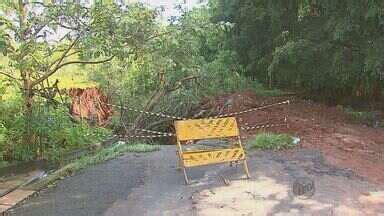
{"x": 179, "y": 162}
{"x": 246, "y": 169}
{"x": 185, "y": 176}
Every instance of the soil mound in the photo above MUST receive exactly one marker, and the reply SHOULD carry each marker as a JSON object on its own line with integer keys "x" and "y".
{"x": 90, "y": 104}
{"x": 328, "y": 129}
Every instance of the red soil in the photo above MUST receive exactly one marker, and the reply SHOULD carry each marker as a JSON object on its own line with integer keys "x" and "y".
{"x": 328, "y": 129}
{"x": 90, "y": 104}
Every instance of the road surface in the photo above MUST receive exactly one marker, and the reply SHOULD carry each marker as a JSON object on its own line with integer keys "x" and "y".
{"x": 149, "y": 184}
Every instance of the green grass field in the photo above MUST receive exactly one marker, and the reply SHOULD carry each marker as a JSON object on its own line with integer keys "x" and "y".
{"x": 71, "y": 76}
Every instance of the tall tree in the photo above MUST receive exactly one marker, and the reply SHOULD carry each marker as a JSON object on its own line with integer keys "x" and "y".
{"x": 40, "y": 39}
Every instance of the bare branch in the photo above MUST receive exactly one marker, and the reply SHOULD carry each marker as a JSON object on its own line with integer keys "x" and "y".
{"x": 57, "y": 62}
{"x": 87, "y": 62}
{"x": 73, "y": 53}
{"x": 53, "y": 5}
{"x": 179, "y": 83}
{"x": 8, "y": 75}
{"x": 68, "y": 63}
{"x": 157, "y": 35}
{"x": 68, "y": 55}
{"x": 67, "y": 27}
{"x": 63, "y": 56}
{"x": 84, "y": 62}
{"x": 39, "y": 3}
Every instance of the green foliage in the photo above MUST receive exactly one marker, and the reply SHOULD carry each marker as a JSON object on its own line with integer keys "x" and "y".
{"x": 194, "y": 46}
{"x": 370, "y": 118}
{"x": 223, "y": 74}
{"x": 41, "y": 39}
{"x": 332, "y": 49}
{"x": 54, "y": 132}
{"x": 271, "y": 141}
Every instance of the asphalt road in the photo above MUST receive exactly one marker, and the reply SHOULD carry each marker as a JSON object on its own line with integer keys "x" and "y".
{"x": 149, "y": 184}
{"x": 112, "y": 188}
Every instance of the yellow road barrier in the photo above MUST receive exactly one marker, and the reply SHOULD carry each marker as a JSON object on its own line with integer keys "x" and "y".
{"x": 200, "y": 129}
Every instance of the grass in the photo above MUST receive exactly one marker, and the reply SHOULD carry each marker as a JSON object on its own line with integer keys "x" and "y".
{"x": 271, "y": 141}
{"x": 100, "y": 156}
{"x": 114, "y": 151}
{"x": 73, "y": 76}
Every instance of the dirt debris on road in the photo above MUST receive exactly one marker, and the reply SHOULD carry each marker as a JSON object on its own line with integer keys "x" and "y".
{"x": 328, "y": 129}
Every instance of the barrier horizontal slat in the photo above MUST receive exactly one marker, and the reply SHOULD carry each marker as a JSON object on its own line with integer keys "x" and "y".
{"x": 192, "y": 159}
{"x": 206, "y": 128}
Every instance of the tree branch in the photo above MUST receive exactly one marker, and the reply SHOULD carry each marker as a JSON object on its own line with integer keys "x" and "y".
{"x": 73, "y": 53}
{"x": 63, "y": 56}
{"x": 84, "y": 62}
{"x": 70, "y": 54}
{"x": 8, "y": 75}
{"x": 57, "y": 62}
{"x": 68, "y": 63}
{"x": 179, "y": 83}
{"x": 157, "y": 35}
{"x": 67, "y": 27}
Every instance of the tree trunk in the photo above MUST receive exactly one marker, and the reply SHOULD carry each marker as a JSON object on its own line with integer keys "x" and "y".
{"x": 27, "y": 90}
{"x": 28, "y": 138}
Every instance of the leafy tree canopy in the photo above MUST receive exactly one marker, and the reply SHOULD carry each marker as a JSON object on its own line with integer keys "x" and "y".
{"x": 321, "y": 46}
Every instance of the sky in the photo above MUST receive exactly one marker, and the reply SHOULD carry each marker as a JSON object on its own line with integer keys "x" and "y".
{"x": 168, "y": 9}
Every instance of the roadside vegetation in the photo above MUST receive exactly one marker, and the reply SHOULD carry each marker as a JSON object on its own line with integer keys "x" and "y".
{"x": 370, "y": 118}
{"x": 316, "y": 47}
{"x": 271, "y": 141}
{"x": 114, "y": 151}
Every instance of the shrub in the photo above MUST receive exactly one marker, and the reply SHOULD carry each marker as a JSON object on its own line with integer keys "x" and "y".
{"x": 53, "y": 131}
{"x": 370, "y": 118}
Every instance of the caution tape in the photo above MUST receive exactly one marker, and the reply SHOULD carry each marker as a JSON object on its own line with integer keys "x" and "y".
{"x": 250, "y": 110}
{"x": 147, "y": 136}
{"x": 262, "y": 126}
{"x": 183, "y": 118}
{"x": 156, "y": 132}
{"x": 173, "y": 135}
{"x": 265, "y": 125}
{"x": 147, "y": 112}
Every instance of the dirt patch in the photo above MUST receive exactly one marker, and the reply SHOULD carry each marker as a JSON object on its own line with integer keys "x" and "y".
{"x": 328, "y": 129}
{"x": 268, "y": 197}
{"x": 90, "y": 104}
{"x": 270, "y": 190}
